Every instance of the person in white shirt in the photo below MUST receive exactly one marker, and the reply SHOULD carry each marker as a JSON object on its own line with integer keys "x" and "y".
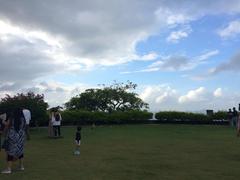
{"x": 27, "y": 116}
{"x": 56, "y": 122}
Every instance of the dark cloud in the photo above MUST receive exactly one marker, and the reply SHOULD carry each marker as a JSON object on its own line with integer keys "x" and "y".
{"x": 97, "y": 28}
{"x": 232, "y": 65}
{"x": 9, "y": 87}
{"x": 175, "y": 63}
{"x": 23, "y": 61}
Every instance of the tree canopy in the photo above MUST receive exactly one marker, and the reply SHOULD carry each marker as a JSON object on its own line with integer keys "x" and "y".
{"x": 34, "y": 102}
{"x": 116, "y": 97}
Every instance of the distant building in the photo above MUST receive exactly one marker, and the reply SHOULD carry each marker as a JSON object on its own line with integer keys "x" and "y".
{"x": 209, "y": 112}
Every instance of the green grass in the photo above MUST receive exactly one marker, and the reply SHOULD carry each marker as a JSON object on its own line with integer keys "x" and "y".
{"x": 171, "y": 152}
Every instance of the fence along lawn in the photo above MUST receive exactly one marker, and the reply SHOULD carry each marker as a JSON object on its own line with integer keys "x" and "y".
{"x": 128, "y": 152}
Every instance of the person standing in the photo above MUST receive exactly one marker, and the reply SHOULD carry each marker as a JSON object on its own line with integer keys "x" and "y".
{"x": 230, "y": 117}
{"x": 27, "y": 116}
{"x": 78, "y": 141}
{"x": 235, "y": 117}
{"x": 56, "y": 121}
{"x": 14, "y": 142}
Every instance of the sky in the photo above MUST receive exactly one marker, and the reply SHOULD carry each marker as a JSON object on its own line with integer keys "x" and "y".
{"x": 184, "y": 55}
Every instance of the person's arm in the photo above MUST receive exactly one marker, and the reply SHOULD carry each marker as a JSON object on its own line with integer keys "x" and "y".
{"x": 6, "y": 126}
{"x": 30, "y": 115}
{"x": 60, "y": 117}
{"x": 52, "y": 118}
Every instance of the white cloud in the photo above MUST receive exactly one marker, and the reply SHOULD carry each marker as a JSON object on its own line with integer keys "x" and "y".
{"x": 218, "y": 92}
{"x": 148, "y": 57}
{"x": 203, "y": 98}
{"x": 55, "y": 93}
{"x": 196, "y": 95}
{"x": 232, "y": 30}
{"x": 164, "y": 97}
{"x": 176, "y": 36}
{"x": 174, "y": 19}
{"x": 168, "y": 17}
{"x": 207, "y": 55}
{"x": 159, "y": 97}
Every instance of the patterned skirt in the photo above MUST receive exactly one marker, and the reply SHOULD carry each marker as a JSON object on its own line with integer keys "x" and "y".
{"x": 15, "y": 142}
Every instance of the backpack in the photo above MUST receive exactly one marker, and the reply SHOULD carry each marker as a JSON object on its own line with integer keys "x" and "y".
{"x": 57, "y": 117}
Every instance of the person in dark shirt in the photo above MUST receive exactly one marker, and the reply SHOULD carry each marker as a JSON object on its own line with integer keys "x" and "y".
{"x": 230, "y": 117}
{"x": 235, "y": 117}
{"x": 78, "y": 140}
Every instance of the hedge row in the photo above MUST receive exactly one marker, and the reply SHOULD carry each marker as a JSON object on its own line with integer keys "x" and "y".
{"x": 185, "y": 116}
{"x": 136, "y": 117}
{"x": 86, "y": 117}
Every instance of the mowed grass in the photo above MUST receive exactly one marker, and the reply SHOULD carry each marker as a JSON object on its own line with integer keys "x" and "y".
{"x": 129, "y": 152}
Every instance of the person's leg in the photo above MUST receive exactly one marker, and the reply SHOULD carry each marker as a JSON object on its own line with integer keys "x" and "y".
{"x": 27, "y": 132}
{"x": 77, "y": 145}
{"x": 236, "y": 122}
{"x": 231, "y": 122}
{"x": 55, "y": 130}
{"x": 9, "y": 166}
{"x": 234, "y": 125}
{"x": 21, "y": 166}
{"x": 238, "y": 127}
{"x": 0, "y": 142}
{"x": 9, "y": 162}
{"x": 8, "y": 170}
{"x": 76, "y": 152}
{"x": 50, "y": 129}
{"x": 76, "y": 149}
{"x": 59, "y": 130}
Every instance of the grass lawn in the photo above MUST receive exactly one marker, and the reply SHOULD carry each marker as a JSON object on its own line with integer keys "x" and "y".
{"x": 133, "y": 152}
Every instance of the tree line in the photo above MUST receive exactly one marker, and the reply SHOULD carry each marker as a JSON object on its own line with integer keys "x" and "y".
{"x": 117, "y": 97}
{"x": 116, "y": 103}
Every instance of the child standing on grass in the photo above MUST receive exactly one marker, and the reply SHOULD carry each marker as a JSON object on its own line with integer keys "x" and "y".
{"x": 78, "y": 140}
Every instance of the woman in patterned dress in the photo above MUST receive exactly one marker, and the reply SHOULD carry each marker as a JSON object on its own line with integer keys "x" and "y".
{"x": 15, "y": 137}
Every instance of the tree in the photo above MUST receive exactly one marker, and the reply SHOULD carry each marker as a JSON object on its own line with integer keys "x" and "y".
{"x": 34, "y": 102}
{"x": 116, "y": 97}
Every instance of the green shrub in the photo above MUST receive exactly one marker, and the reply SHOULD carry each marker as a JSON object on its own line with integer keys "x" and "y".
{"x": 220, "y": 115}
{"x": 180, "y": 116}
{"x": 187, "y": 116}
{"x": 74, "y": 117}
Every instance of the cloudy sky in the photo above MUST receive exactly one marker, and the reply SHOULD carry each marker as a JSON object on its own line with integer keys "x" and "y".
{"x": 183, "y": 54}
